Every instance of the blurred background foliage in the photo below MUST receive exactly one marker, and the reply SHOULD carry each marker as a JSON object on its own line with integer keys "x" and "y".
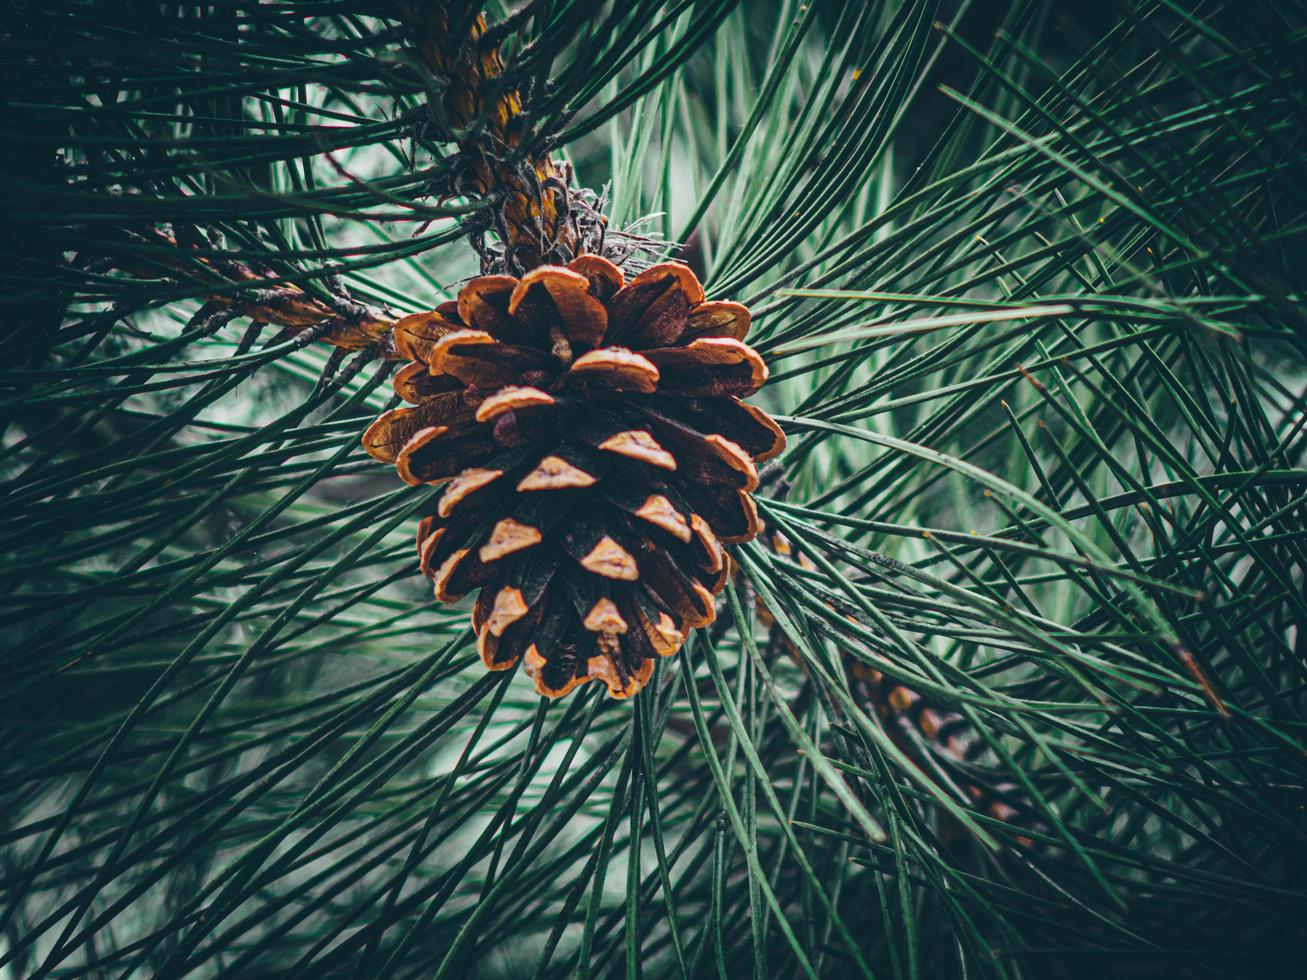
{"x": 1029, "y": 278}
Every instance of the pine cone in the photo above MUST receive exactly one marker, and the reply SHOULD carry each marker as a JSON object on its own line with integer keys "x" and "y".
{"x": 903, "y": 713}
{"x": 599, "y": 455}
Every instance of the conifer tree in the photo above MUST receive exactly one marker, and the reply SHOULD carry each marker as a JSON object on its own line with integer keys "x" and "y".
{"x": 732, "y": 488}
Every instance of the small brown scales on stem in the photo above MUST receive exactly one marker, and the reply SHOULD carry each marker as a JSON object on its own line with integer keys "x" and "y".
{"x": 485, "y": 117}
{"x": 597, "y": 454}
{"x": 338, "y": 320}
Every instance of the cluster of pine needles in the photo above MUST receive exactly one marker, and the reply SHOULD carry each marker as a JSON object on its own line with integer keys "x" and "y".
{"x": 1013, "y": 685}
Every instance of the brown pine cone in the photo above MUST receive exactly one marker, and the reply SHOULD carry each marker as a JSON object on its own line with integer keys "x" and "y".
{"x": 901, "y": 710}
{"x": 599, "y": 455}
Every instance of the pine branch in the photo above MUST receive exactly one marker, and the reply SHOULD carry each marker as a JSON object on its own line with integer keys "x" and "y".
{"x": 1027, "y": 696}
